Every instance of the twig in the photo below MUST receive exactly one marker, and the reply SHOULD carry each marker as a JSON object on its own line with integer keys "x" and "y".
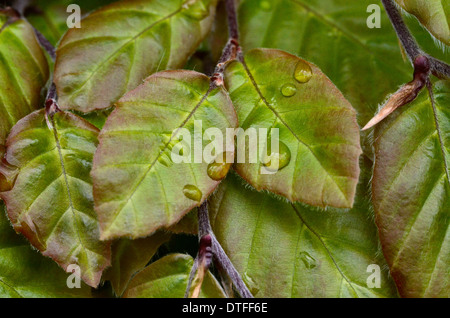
{"x": 232, "y": 48}
{"x": 438, "y": 68}
{"x": 219, "y": 254}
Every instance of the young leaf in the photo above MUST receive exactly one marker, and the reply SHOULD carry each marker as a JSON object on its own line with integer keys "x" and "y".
{"x": 364, "y": 63}
{"x": 50, "y": 16}
{"x": 137, "y": 187}
{"x": 290, "y": 250}
{"x": 411, "y": 193}
{"x": 130, "y": 257}
{"x": 317, "y": 127}
{"x": 26, "y": 273}
{"x": 49, "y": 190}
{"x": 168, "y": 278}
{"x": 121, "y": 44}
{"x": 23, "y": 72}
{"x": 433, "y": 14}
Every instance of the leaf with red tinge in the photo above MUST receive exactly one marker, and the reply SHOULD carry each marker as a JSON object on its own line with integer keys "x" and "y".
{"x": 411, "y": 193}
{"x": 168, "y": 278}
{"x": 318, "y": 135}
{"x": 130, "y": 257}
{"x": 121, "y": 44}
{"x": 138, "y": 188}
{"x": 23, "y": 72}
{"x": 46, "y": 175}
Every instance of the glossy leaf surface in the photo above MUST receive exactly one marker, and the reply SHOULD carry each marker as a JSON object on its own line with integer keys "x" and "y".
{"x": 433, "y": 14}
{"x": 121, "y": 44}
{"x": 26, "y": 273}
{"x": 285, "y": 250}
{"x": 317, "y": 127}
{"x": 23, "y": 73}
{"x": 411, "y": 193}
{"x": 130, "y": 257}
{"x": 137, "y": 187}
{"x": 49, "y": 190}
{"x": 333, "y": 34}
{"x": 168, "y": 278}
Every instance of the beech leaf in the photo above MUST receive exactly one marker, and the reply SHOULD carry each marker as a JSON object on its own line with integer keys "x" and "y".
{"x": 411, "y": 193}
{"x": 168, "y": 278}
{"x": 25, "y": 273}
{"x": 432, "y": 14}
{"x": 23, "y": 72}
{"x": 318, "y": 133}
{"x": 286, "y": 250}
{"x": 130, "y": 257}
{"x": 121, "y": 44}
{"x": 138, "y": 189}
{"x": 48, "y": 190}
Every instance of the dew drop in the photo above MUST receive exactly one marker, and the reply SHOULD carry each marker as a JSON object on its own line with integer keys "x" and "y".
{"x": 218, "y": 170}
{"x": 288, "y": 90}
{"x": 192, "y": 192}
{"x": 280, "y": 159}
{"x": 308, "y": 260}
{"x": 303, "y": 72}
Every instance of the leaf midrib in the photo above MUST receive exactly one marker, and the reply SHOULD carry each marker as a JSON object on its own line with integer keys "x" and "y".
{"x": 152, "y": 164}
{"x": 277, "y": 115}
{"x": 118, "y": 50}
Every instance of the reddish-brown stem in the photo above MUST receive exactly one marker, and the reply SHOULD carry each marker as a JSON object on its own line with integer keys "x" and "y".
{"x": 438, "y": 68}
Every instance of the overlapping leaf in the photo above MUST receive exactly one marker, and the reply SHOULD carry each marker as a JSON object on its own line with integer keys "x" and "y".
{"x": 49, "y": 190}
{"x": 290, "y": 250}
{"x": 365, "y": 64}
{"x": 168, "y": 278}
{"x": 433, "y": 14}
{"x": 317, "y": 127}
{"x": 121, "y": 44}
{"x": 411, "y": 194}
{"x": 23, "y": 72}
{"x": 137, "y": 187}
{"x": 130, "y": 257}
{"x": 50, "y": 16}
{"x": 26, "y": 273}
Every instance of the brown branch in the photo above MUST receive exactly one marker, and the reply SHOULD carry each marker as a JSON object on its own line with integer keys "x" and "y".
{"x": 219, "y": 254}
{"x": 438, "y": 68}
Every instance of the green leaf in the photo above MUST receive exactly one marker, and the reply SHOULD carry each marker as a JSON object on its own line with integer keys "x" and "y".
{"x": 130, "y": 257}
{"x": 121, "y": 44}
{"x": 23, "y": 73}
{"x": 317, "y": 125}
{"x": 365, "y": 64}
{"x": 168, "y": 278}
{"x": 50, "y": 16}
{"x": 411, "y": 193}
{"x": 432, "y": 14}
{"x": 49, "y": 198}
{"x": 138, "y": 189}
{"x": 26, "y": 273}
{"x": 290, "y": 250}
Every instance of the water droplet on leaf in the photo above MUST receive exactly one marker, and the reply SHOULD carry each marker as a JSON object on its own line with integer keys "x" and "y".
{"x": 308, "y": 260}
{"x": 288, "y": 90}
{"x": 192, "y": 192}
{"x": 218, "y": 169}
{"x": 303, "y": 72}
{"x": 277, "y": 160}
